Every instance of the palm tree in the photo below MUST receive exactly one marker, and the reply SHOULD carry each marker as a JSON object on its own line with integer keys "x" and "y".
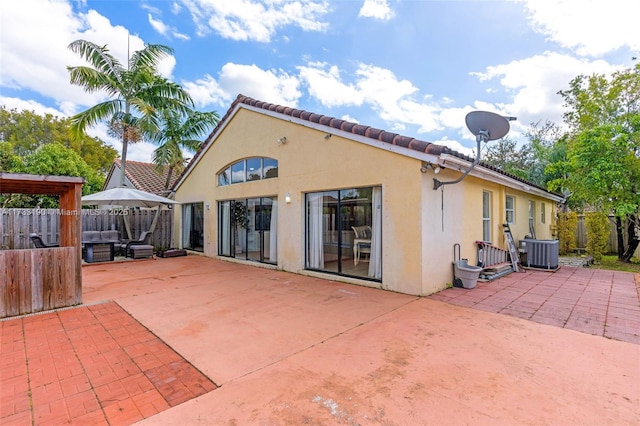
{"x": 137, "y": 93}
{"x": 178, "y": 133}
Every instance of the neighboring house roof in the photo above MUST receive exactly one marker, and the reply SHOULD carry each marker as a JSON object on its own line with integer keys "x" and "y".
{"x": 343, "y": 126}
{"x": 143, "y": 176}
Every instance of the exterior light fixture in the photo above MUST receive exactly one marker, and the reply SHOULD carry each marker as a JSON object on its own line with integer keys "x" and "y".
{"x": 282, "y": 140}
{"x": 287, "y": 198}
{"x": 426, "y": 166}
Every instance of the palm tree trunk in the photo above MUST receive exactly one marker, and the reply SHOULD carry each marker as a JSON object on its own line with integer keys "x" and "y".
{"x": 166, "y": 184}
{"x": 125, "y": 143}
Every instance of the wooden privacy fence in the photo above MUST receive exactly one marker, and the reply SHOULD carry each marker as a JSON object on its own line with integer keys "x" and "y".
{"x": 38, "y": 280}
{"x": 612, "y": 242}
{"x": 17, "y": 224}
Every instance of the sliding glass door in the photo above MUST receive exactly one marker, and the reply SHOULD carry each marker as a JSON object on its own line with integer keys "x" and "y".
{"x": 193, "y": 226}
{"x": 248, "y": 229}
{"x": 344, "y": 232}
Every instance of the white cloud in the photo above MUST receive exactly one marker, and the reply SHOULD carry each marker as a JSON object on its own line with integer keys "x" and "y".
{"x": 533, "y": 83}
{"x": 349, "y": 118}
{"x": 140, "y": 151}
{"x": 267, "y": 85}
{"x": 592, "y": 27}
{"x": 33, "y": 62}
{"x": 377, "y": 9}
{"x": 30, "y": 105}
{"x": 377, "y": 87}
{"x": 158, "y": 25}
{"x": 254, "y": 19}
{"x": 164, "y": 29}
{"x": 165, "y": 67}
{"x": 324, "y": 83}
{"x": 394, "y": 100}
{"x": 456, "y": 146}
{"x": 206, "y": 91}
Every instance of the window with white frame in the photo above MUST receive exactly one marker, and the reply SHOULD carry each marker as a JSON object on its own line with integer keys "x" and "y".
{"x": 510, "y": 209}
{"x": 248, "y": 169}
{"x": 486, "y": 216}
{"x": 532, "y": 218}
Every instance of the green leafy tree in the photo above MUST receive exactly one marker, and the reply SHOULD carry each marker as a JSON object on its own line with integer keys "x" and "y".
{"x": 28, "y": 131}
{"x": 178, "y": 133}
{"x": 58, "y": 160}
{"x": 531, "y": 160}
{"x": 505, "y": 155}
{"x": 602, "y": 164}
{"x": 136, "y": 92}
{"x": 9, "y": 161}
{"x": 541, "y": 150}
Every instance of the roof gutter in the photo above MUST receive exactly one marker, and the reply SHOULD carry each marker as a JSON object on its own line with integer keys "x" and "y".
{"x": 448, "y": 160}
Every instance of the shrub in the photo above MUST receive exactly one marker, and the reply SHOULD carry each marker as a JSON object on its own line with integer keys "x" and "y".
{"x": 567, "y": 224}
{"x": 598, "y": 230}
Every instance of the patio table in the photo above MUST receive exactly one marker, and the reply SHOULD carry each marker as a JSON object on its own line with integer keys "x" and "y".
{"x": 99, "y": 251}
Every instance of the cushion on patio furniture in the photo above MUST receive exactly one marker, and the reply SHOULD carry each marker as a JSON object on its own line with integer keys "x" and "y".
{"x": 110, "y": 236}
{"x": 143, "y": 239}
{"x": 37, "y": 241}
{"x": 90, "y": 236}
{"x": 140, "y": 251}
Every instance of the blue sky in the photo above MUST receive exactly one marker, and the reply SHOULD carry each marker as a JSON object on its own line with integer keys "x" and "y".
{"x": 411, "y": 67}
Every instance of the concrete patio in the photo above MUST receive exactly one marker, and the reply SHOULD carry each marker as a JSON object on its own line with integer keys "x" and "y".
{"x": 279, "y": 348}
{"x": 594, "y": 301}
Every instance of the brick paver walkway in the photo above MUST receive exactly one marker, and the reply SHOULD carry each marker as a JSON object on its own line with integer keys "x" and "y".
{"x": 89, "y": 365}
{"x": 594, "y": 301}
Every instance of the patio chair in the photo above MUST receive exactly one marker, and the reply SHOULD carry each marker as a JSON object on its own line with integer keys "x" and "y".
{"x": 143, "y": 240}
{"x": 37, "y": 241}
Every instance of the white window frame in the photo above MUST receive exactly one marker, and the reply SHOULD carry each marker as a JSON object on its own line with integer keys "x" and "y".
{"x": 510, "y": 213}
{"x": 486, "y": 216}
{"x": 543, "y": 213}
{"x": 532, "y": 216}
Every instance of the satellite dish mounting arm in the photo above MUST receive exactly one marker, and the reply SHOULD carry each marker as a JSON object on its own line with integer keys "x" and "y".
{"x": 437, "y": 184}
{"x": 486, "y": 126}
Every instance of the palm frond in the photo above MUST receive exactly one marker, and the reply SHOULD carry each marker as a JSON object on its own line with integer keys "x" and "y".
{"x": 191, "y": 145}
{"x": 149, "y": 57}
{"x": 104, "y": 110}
{"x": 99, "y": 57}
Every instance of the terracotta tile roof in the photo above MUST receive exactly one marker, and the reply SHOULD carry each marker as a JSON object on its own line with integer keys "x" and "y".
{"x": 346, "y": 126}
{"x": 145, "y": 176}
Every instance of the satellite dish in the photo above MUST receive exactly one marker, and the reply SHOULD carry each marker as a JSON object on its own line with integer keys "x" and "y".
{"x": 487, "y": 126}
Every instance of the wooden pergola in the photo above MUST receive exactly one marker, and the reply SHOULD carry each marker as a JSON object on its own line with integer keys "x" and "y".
{"x": 33, "y": 280}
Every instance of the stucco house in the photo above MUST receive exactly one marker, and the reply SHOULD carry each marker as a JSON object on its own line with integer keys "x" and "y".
{"x": 311, "y": 194}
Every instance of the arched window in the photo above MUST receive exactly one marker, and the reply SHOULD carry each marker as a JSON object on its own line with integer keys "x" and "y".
{"x": 253, "y": 168}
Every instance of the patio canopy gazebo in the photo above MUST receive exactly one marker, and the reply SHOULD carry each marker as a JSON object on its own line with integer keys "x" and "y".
{"x": 33, "y": 280}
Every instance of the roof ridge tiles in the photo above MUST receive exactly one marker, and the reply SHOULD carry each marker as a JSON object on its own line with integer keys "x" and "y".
{"x": 348, "y": 127}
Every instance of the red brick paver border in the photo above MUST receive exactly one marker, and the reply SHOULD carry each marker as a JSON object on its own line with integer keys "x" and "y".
{"x": 89, "y": 365}
{"x": 594, "y": 301}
